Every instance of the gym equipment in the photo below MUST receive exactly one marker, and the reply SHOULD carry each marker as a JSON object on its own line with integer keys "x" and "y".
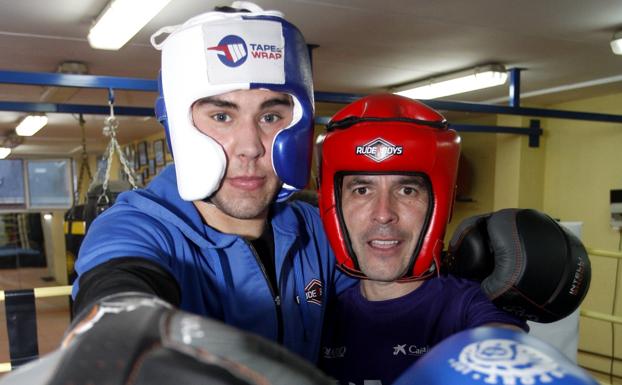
{"x": 488, "y": 355}
{"x": 102, "y": 194}
{"x": 133, "y": 338}
{"x": 528, "y": 264}
{"x": 75, "y": 227}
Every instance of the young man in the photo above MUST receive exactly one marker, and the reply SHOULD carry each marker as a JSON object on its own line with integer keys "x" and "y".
{"x": 210, "y": 234}
{"x": 388, "y": 171}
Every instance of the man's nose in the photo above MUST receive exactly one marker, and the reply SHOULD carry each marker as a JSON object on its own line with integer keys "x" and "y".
{"x": 385, "y": 209}
{"x": 248, "y": 141}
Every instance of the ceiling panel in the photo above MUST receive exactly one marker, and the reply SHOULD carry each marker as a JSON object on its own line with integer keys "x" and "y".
{"x": 364, "y": 46}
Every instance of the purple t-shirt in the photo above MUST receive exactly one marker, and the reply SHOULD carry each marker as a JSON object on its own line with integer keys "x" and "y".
{"x": 373, "y": 342}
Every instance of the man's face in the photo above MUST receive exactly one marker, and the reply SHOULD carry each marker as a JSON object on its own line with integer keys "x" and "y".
{"x": 384, "y": 216}
{"x": 245, "y": 123}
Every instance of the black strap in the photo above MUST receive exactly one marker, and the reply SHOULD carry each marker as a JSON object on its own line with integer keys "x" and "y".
{"x": 352, "y": 120}
{"x": 21, "y": 323}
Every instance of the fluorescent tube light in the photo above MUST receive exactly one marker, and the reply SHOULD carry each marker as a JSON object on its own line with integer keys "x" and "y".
{"x": 121, "y": 20}
{"x": 31, "y": 124}
{"x": 616, "y": 43}
{"x": 4, "y": 152}
{"x": 455, "y": 83}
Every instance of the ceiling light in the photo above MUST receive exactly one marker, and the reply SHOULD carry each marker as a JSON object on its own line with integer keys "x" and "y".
{"x": 31, "y": 124}
{"x": 455, "y": 83}
{"x": 616, "y": 43}
{"x": 4, "y": 152}
{"x": 121, "y": 20}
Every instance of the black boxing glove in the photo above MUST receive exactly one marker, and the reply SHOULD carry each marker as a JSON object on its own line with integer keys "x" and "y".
{"x": 528, "y": 264}
{"x": 138, "y": 339}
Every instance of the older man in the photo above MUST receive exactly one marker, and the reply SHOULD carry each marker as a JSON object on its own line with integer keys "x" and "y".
{"x": 388, "y": 168}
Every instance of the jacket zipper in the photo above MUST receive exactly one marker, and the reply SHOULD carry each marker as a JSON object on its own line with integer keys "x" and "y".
{"x": 275, "y": 297}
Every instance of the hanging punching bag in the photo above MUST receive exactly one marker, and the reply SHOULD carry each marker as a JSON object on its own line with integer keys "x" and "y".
{"x": 75, "y": 228}
{"x": 97, "y": 202}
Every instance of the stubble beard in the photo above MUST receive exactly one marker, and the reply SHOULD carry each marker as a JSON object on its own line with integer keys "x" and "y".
{"x": 246, "y": 206}
{"x": 376, "y": 268}
{"x": 380, "y": 274}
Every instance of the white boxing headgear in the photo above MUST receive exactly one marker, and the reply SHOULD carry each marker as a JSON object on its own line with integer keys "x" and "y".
{"x": 220, "y": 52}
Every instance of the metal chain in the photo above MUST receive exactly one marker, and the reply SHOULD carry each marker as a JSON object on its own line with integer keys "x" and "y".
{"x": 126, "y": 166}
{"x": 110, "y": 129}
{"x": 85, "y": 162}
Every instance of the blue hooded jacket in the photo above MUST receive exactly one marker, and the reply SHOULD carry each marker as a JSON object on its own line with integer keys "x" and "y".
{"x": 219, "y": 274}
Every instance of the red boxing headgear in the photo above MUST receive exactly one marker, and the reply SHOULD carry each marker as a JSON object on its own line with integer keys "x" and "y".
{"x": 389, "y": 134}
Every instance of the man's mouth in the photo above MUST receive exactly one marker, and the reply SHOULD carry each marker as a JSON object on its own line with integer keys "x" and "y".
{"x": 247, "y": 182}
{"x": 383, "y": 243}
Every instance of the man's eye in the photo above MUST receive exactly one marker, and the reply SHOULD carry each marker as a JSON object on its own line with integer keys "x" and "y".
{"x": 409, "y": 191}
{"x": 221, "y": 117}
{"x": 360, "y": 190}
{"x": 270, "y": 118}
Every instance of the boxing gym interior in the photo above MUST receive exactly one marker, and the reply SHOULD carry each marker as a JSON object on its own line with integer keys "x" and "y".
{"x": 546, "y": 135}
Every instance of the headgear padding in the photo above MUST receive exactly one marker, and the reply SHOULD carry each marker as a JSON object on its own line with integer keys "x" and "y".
{"x": 220, "y": 52}
{"x": 388, "y": 134}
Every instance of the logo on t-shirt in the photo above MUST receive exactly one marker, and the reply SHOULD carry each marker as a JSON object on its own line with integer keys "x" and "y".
{"x": 333, "y": 352}
{"x": 314, "y": 291}
{"x": 410, "y": 350}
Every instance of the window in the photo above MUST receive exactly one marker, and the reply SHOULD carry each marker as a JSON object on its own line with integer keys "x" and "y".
{"x": 49, "y": 183}
{"x": 12, "y": 184}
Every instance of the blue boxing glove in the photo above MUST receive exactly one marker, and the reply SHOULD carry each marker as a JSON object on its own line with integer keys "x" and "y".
{"x": 487, "y": 355}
